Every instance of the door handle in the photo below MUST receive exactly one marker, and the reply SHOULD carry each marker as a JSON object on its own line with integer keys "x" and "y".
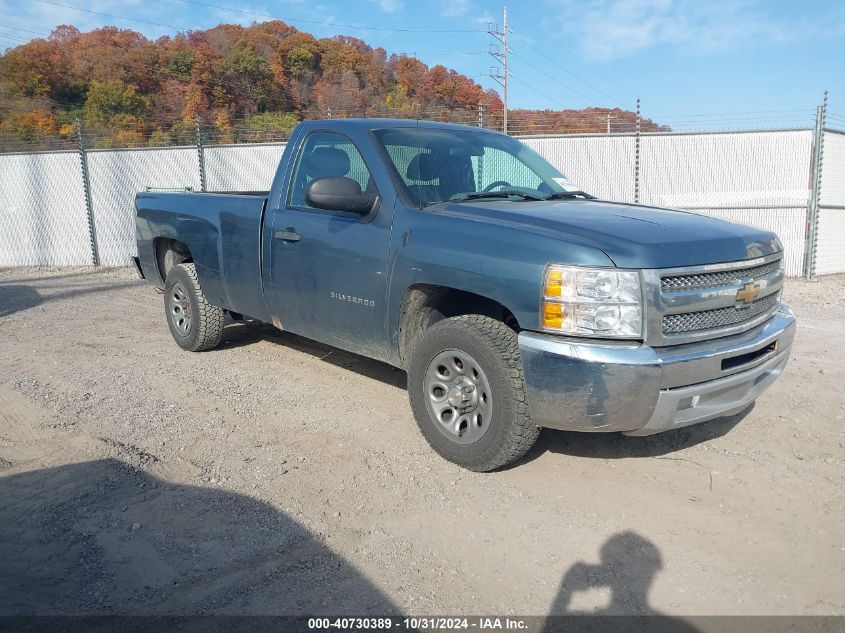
{"x": 288, "y": 235}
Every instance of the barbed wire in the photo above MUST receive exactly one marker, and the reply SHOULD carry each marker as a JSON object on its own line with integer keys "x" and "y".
{"x": 168, "y": 131}
{"x": 551, "y": 77}
{"x": 557, "y": 64}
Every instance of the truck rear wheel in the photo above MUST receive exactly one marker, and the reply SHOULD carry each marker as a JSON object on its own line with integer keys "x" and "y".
{"x": 467, "y": 392}
{"x": 195, "y": 324}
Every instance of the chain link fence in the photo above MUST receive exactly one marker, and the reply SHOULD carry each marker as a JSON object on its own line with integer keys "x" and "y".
{"x": 43, "y": 215}
{"x": 762, "y": 178}
{"x": 830, "y": 249}
{"x": 248, "y": 167}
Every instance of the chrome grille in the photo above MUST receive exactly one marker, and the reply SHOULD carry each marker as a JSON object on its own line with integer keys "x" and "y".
{"x": 716, "y": 279}
{"x": 718, "y": 318}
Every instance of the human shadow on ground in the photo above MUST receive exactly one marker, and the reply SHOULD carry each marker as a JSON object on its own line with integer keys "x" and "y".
{"x": 629, "y": 564}
{"x": 103, "y": 537}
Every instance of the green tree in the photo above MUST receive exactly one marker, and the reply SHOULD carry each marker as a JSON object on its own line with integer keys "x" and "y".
{"x": 249, "y": 78}
{"x": 261, "y": 126}
{"x": 182, "y": 63}
{"x": 108, "y": 99}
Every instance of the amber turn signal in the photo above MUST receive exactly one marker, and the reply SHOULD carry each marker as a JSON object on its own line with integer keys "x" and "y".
{"x": 552, "y": 314}
{"x": 554, "y": 284}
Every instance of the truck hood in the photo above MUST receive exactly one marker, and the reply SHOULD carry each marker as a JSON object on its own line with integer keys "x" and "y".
{"x": 632, "y": 236}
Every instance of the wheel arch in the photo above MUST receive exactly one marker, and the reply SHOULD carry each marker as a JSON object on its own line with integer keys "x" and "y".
{"x": 169, "y": 253}
{"x": 424, "y": 304}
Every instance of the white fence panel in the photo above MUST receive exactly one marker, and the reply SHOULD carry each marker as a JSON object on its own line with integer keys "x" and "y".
{"x": 755, "y": 178}
{"x": 737, "y": 169}
{"x": 758, "y": 178}
{"x": 43, "y": 219}
{"x": 242, "y": 167}
{"x": 602, "y": 165}
{"x": 116, "y": 176}
{"x": 830, "y": 248}
{"x": 789, "y": 224}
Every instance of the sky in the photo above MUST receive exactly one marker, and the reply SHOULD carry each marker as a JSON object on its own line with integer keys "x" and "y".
{"x": 693, "y": 63}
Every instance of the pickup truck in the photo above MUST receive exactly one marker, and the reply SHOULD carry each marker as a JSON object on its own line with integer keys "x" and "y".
{"x": 513, "y": 300}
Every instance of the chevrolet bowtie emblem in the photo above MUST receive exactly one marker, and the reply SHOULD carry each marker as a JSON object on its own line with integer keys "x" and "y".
{"x": 748, "y": 293}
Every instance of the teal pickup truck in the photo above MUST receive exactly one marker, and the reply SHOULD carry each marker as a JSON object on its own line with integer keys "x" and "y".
{"x": 513, "y": 300}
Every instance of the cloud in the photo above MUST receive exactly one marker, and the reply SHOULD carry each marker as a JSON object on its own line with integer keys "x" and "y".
{"x": 247, "y": 16}
{"x": 41, "y": 17}
{"x": 486, "y": 18}
{"x": 391, "y": 6}
{"x": 22, "y": 18}
{"x": 455, "y": 8}
{"x": 610, "y": 29}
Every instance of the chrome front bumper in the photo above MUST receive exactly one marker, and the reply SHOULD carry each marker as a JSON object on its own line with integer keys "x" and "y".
{"x": 578, "y": 385}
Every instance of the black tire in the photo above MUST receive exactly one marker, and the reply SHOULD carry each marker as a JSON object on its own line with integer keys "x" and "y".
{"x": 201, "y": 324}
{"x": 171, "y": 258}
{"x": 510, "y": 433}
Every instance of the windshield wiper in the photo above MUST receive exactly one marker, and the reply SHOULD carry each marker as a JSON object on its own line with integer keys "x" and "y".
{"x": 558, "y": 195}
{"x": 505, "y": 193}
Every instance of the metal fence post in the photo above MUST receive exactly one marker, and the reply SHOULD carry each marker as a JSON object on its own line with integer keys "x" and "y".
{"x": 637, "y": 156}
{"x": 200, "y": 153}
{"x": 86, "y": 186}
{"x": 812, "y": 236}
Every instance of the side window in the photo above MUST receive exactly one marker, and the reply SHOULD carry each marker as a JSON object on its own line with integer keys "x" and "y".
{"x": 328, "y": 155}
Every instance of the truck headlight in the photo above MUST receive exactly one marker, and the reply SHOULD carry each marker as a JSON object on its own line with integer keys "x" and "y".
{"x": 597, "y": 302}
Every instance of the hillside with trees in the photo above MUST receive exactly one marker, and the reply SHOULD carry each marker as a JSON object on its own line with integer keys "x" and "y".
{"x": 238, "y": 84}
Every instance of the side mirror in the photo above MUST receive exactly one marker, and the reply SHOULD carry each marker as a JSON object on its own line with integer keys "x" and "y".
{"x": 338, "y": 194}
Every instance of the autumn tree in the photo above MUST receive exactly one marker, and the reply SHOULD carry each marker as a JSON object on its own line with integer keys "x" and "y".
{"x": 238, "y": 81}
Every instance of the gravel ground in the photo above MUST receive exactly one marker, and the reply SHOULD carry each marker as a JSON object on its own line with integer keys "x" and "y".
{"x": 276, "y": 475}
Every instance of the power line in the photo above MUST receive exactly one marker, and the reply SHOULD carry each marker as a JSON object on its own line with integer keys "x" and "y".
{"x": 12, "y": 37}
{"x": 415, "y": 55}
{"x": 556, "y": 80}
{"x": 116, "y": 17}
{"x": 569, "y": 72}
{"x": 18, "y": 28}
{"x": 542, "y": 94}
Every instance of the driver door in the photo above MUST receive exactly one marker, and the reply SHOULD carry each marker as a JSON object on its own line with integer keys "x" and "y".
{"x": 329, "y": 268}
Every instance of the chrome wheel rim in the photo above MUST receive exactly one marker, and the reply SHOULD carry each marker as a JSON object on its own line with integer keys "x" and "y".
{"x": 180, "y": 309}
{"x": 458, "y": 396}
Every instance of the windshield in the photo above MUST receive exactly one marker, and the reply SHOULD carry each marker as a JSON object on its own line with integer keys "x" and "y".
{"x": 438, "y": 164}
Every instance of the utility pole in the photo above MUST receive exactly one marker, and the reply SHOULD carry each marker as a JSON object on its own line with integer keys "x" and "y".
{"x": 609, "y": 117}
{"x": 500, "y": 54}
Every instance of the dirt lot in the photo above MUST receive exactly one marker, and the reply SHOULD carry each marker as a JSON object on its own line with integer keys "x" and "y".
{"x": 275, "y": 475}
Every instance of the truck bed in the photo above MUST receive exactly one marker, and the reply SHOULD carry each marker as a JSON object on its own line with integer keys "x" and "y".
{"x": 222, "y": 231}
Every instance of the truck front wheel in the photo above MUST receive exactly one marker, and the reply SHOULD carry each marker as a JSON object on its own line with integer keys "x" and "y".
{"x": 195, "y": 324}
{"x": 467, "y": 392}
